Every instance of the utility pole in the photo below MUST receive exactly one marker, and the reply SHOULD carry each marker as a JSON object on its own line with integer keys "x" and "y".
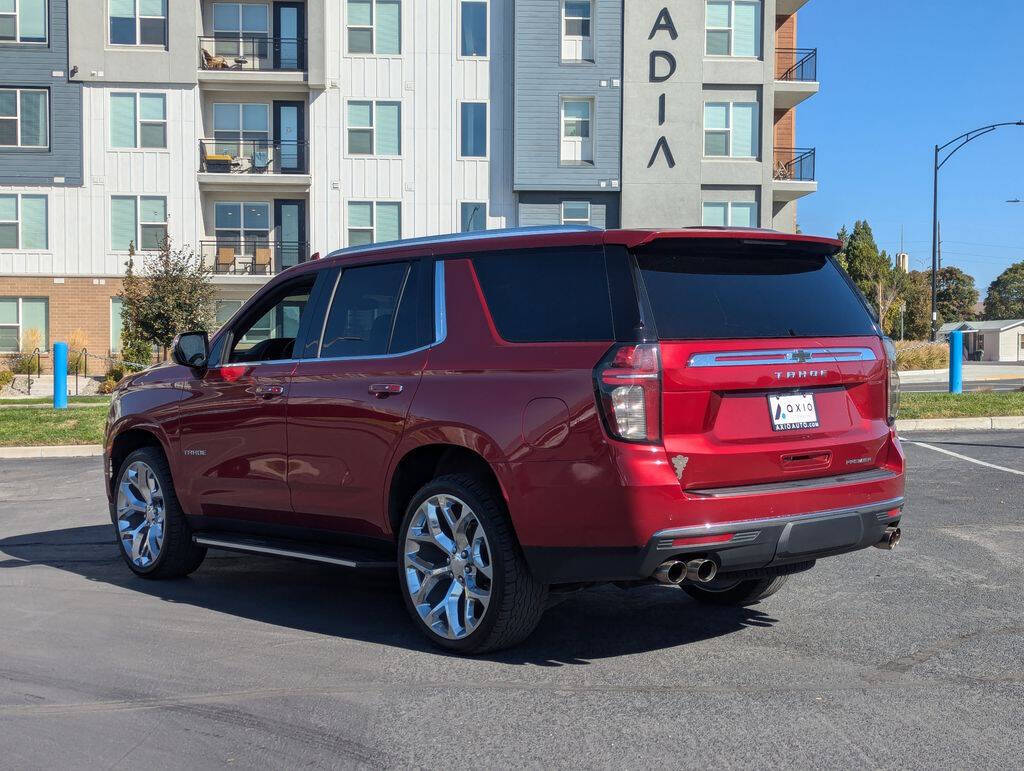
{"x": 940, "y": 245}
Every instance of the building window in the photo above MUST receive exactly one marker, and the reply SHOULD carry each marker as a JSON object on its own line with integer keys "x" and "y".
{"x": 241, "y": 29}
{"x": 138, "y": 22}
{"x": 24, "y": 117}
{"x": 474, "y": 217}
{"x": 224, "y": 310}
{"x": 729, "y": 215}
{"x": 731, "y": 129}
{"x": 139, "y": 222}
{"x": 733, "y": 28}
{"x": 577, "y": 141}
{"x": 575, "y": 212}
{"x": 23, "y": 21}
{"x": 577, "y": 37}
{"x": 241, "y": 129}
{"x": 138, "y": 120}
{"x": 24, "y": 321}
{"x": 371, "y": 222}
{"x": 243, "y": 232}
{"x": 23, "y": 222}
{"x": 374, "y": 128}
{"x": 375, "y": 27}
{"x": 473, "y": 23}
{"x": 473, "y": 130}
{"x": 116, "y": 323}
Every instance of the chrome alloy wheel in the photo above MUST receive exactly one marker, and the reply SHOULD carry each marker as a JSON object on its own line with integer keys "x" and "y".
{"x": 140, "y": 514}
{"x": 448, "y": 569}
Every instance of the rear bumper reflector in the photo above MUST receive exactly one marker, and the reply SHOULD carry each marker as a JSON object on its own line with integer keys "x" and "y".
{"x": 701, "y": 540}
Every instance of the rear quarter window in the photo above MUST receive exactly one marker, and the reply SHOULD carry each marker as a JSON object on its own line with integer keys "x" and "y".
{"x": 704, "y": 290}
{"x": 547, "y": 295}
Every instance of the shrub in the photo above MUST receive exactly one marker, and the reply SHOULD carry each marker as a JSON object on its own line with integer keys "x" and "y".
{"x": 116, "y": 372}
{"x": 108, "y": 386}
{"x": 913, "y": 355}
{"x": 24, "y": 364}
{"x": 6, "y": 378}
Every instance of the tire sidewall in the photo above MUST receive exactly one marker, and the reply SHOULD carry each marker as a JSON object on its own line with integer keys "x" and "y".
{"x": 485, "y": 516}
{"x": 155, "y": 462}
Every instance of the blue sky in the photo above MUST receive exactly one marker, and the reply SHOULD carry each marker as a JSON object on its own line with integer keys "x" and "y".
{"x": 897, "y": 78}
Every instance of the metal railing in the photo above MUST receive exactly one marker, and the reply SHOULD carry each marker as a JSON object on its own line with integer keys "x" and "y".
{"x": 796, "y": 64}
{"x": 252, "y": 156}
{"x": 253, "y": 257}
{"x": 794, "y": 164}
{"x": 39, "y": 368}
{"x": 252, "y": 53}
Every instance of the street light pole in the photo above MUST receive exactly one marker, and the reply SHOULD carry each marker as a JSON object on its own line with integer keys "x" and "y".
{"x": 959, "y": 142}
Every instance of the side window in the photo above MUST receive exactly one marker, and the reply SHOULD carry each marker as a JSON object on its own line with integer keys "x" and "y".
{"x": 377, "y": 309}
{"x": 547, "y": 295}
{"x": 268, "y": 331}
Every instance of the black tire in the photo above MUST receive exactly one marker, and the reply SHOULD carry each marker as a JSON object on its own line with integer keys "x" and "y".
{"x": 179, "y": 555}
{"x": 741, "y": 593}
{"x": 517, "y": 599}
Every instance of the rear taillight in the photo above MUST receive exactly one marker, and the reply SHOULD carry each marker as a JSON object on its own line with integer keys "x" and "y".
{"x": 629, "y": 391}
{"x": 892, "y": 370}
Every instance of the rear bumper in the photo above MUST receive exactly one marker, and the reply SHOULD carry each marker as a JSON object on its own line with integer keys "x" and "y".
{"x": 736, "y": 546}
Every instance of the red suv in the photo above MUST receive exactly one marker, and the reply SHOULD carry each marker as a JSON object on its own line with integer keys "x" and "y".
{"x": 507, "y": 416}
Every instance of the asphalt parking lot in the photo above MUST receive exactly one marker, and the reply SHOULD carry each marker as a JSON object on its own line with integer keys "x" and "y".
{"x": 912, "y": 658}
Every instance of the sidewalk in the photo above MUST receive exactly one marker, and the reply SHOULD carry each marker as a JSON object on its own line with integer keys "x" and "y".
{"x": 56, "y": 451}
{"x": 973, "y": 372}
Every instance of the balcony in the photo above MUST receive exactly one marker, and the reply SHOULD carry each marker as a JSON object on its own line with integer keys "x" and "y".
{"x": 789, "y": 7}
{"x": 252, "y": 258}
{"x": 226, "y": 164}
{"x": 233, "y": 61}
{"x": 796, "y": 76}
{"x": 794, "y": 173}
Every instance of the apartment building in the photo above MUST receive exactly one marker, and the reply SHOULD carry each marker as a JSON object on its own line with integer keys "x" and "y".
{"x": 262, "y": 133}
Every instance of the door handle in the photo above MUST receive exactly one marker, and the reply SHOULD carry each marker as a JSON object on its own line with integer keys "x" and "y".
{"x": 384, "y": 390}
{"x": 268, "y": 391}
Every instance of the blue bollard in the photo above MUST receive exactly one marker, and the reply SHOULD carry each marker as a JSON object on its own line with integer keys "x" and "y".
{"x": 956, "y": 362}
{"x": 60, "y": 376}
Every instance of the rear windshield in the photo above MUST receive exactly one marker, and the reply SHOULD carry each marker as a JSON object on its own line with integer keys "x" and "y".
{"x": 709, "y": 291}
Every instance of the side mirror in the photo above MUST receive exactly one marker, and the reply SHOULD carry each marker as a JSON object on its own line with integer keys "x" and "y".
{"x": 191, "y": 349}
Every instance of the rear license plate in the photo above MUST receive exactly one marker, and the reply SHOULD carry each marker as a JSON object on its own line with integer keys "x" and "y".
{"x": 793, "y": 412}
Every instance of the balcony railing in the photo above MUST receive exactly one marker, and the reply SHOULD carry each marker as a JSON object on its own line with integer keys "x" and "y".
{"x": 254, "y": 257}
{"x": 794, "y": 164}
{"x": 796, "y": 64}
{"x": 252, "y": 156}
{"x": 252, "y": 53}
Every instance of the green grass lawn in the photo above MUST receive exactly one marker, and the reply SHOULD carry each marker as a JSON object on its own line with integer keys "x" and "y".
{"x": 977, "y": 404}
{"x": 47, "y": 426}
{"x": 47, "y": 400}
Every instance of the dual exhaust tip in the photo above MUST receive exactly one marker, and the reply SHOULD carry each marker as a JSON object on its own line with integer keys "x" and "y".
{"x": 890, "y": 540}
{"x": 675, "y": 572}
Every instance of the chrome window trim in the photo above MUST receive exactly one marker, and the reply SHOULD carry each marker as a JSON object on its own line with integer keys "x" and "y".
{"x": 440, "y": 307}
{"x": 781, "y": 356}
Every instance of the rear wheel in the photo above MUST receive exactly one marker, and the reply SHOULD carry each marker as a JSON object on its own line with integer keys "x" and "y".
{"x": 722, "y": 591}
{"x": 155, "y": 540}
{"x": 462, "y": 574}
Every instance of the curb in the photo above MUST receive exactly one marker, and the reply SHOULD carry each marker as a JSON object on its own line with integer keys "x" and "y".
{"x": 58, "y": 451}
{"x": 964, "y": 424}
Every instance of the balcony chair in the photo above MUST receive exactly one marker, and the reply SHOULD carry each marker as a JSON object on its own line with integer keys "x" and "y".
{"x": 260, "y": 161}
{"x": 261, "y": 260}
{"x": 225, "y": 259}
{"x": 211, "y": 62}
{"x": 215, "y": 162}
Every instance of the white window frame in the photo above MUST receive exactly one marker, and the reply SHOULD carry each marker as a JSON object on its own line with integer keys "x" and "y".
{"x": 575, "y": 220}
{"x": 21, "y": 230}
{"x": 373, "y": 32}
{"x": 139, "y": 121}
{"x": 240, "y": 35}
{"x": 241, "y": 139}
{"x": 372, "y": 230}
{"x": 241, "y": 242}
{"x": 487, "y": 130}
{"x": 372, "y": 128}
{"x": 17, "y": 26}
{"x": 138, "y": 29}
{"x": 45, "y": 348}
{"x": 731, "y": 29}
{"x": 17, "y": 119}
{"x": 563, "y": 121}
{"x": 565, "y": 36}
{"x": 487, "y": 31}
{"x": 138, "y": 222}
{"x": 463, "y": 204}
{"x": 728, "y": 131}
{"x": 728, "y": 211}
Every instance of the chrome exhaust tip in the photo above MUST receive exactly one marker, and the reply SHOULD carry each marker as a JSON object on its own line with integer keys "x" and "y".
{"x": 891, "y": 538}
{"x": 701, "y": 571}
{"x": 671, "y": 573}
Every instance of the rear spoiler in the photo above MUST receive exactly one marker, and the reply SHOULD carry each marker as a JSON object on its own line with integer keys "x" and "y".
{"x": 635, "y": 239}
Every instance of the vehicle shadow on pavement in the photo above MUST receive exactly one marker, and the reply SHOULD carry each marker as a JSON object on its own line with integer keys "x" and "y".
{"x": 597, "y": 623}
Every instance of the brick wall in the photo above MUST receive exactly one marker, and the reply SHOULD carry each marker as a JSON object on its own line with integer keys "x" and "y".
{"x": 785, "y": 38}
{"x": 785, "y": 128}
{"x": 76, "y": 304}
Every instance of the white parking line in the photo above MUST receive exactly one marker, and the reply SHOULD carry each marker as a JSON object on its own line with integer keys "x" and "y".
{"x": 964, "y": 457}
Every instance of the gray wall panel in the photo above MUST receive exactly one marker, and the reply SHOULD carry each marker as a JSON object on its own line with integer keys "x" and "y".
{"x": 545, "y": 208}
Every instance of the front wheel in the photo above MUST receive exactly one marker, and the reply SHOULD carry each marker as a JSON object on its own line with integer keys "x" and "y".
{"x": 463, "y": 576}
{"x": 722, "y": 591}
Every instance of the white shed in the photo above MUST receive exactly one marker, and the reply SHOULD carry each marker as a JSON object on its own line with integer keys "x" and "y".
{"x": 989, "y": 340}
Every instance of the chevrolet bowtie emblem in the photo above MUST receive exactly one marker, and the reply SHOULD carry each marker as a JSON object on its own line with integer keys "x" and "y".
{"x": 800, "y": 356}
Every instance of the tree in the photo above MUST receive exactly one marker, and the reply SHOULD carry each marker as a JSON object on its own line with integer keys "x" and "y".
{"x": 1006, "y": 294}
{"x": 136, "y": 348}
{"x": 174, "y": 294}
{"x": 956, "y": 295}
{"x": 917, "y": 294}
{"x": 844, "y": 236}
{"x": 866, "y": 266}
